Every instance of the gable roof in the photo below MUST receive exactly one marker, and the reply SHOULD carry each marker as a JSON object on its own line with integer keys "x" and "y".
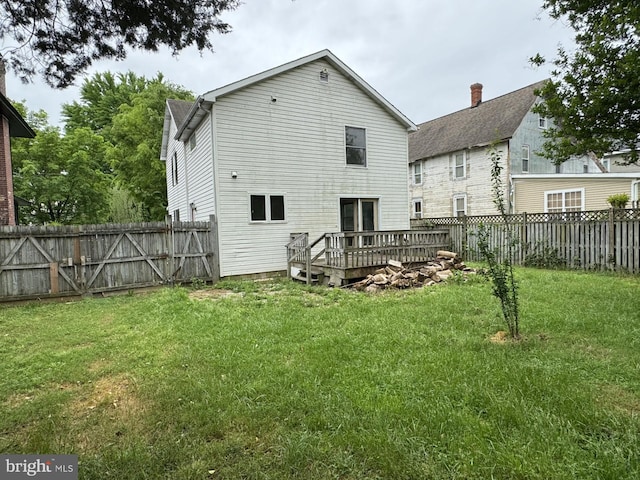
{"x": 177, "y": 111}
{"x": 194, "y": 117}
{"x": 17, "y": 125}
{"x": 495, "y": 119}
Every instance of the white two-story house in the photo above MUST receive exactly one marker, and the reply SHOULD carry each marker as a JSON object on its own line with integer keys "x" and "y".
{"x": 308, "y": 146}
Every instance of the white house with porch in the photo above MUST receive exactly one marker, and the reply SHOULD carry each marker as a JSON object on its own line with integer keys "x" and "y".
{"x": 308, "y": 146}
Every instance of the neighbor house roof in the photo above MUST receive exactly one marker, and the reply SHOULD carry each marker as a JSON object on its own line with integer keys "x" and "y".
{"x": 205, "y": 101}
{"x": 494, "y": 120}
{"x": 17, "y": 125}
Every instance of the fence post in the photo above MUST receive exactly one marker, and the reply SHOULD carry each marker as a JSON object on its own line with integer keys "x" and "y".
{"x": 170, "y": 248}
{"x": 524, "y": 240}
{"x": 464, "y": 239}
{"x": 215, "y": 249}
{"x": 612, "y": 238}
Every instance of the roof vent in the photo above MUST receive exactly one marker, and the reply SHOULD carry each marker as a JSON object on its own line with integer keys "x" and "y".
{"x": 324, "y": 75}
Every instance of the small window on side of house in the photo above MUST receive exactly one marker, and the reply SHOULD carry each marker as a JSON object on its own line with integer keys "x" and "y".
{"x": 176, "y": 215}
{"x": 192, "y": 141}
{"x": 459, "y": 205}
{"x": 417, "y": 173}
{"x": 417, "y": 208}
{"x": 356, "y": 146}
{"x": 174, "y": 169}
{"x": 525, "y": 158}
{"x": 460, "y": 168}
{"x": 542, "y": 122}
{"x": 276, "y": 203}
{"x": 324, "y": 76}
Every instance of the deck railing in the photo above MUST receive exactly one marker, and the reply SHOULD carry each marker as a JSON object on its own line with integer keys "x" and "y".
{"x": 363, "y": 249}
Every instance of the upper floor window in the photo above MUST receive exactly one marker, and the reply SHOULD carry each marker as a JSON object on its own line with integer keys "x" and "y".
{"x": 525, "y": 158}
{"x": 267, "y": 208}
{"x": 174, "y": 169}
{"x": 356, "y": 146}
{"x": 417, "y": 173}
{"x": 192, "y": 141}
{"x": 460, "y": 166}
{"x": 542, "y": 122}
{"x": 564, "y": 201}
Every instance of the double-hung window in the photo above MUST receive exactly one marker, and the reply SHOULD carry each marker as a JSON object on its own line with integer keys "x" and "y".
{"x": 417, "y": 173}
{"x": 174, "y": 169}
{"x": 459, "y": 205}
{"x": 542, "y": 122}
{"x": 417, "y": 208}
{"x": 356, "y": 146}
{"x": 525, "y": 159}
{"x": 459, "y": 165}
{"x": 267, "y": 208}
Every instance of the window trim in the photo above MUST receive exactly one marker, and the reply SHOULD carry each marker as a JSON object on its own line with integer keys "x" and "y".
{"x": 525, "y": 159}
{"x": 564, "y": 193}
{"x": 455, "y": 198}
{"x": 456, "y": 166}
{"x": 346, "y": 147}
{"x": 267, "y": 207}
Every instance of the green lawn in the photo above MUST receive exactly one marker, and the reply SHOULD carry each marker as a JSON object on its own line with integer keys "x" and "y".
{"x": 280, "y": 380}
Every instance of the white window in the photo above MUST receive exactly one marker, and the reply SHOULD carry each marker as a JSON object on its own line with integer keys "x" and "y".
{"x": 460, "y": 165}
{"x": 459, "y": 205}
{"x": 542, "y": 122}
{"x": 176, "y": 215}
{"x": 356, "y": 146}
{"x": 525, "y": 158}
{"x": 174, "y": 169}
{"x": 417, "y": 208}
{"x": 267, "y": 208}
{"x": 559, "y": 201}
{"x": 192, "y": 141}
{"x": 417, "y": 173}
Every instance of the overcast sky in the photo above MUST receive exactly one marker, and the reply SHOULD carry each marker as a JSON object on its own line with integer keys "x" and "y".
{"x": 421, "y": 55}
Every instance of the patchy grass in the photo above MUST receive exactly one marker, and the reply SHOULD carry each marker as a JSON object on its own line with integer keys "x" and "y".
{"x": 279, "y": 380}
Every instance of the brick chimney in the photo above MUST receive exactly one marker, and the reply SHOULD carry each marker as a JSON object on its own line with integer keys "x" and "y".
{"x": 476, "y": 94}
{"x": 7, "y": 212}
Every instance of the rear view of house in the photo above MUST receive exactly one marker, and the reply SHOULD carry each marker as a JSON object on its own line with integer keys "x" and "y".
{"x": 305, "y": 147}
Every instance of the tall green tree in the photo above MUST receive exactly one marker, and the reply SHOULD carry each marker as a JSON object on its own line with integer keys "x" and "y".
{"x": 60, "y": 175}
{"x": 594, "y": 93}
{"x": 61, "y": 38}
{"x": 100, "y": 98}
{"x": 136, "y": 135}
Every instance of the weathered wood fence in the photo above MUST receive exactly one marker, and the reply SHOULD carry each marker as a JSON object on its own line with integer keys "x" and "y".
{"x": 47, "y": 261}
{"x": 593, "y": 240}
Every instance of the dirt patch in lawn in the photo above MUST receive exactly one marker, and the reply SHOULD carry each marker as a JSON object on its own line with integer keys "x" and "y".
{"x": 212, "y": 294}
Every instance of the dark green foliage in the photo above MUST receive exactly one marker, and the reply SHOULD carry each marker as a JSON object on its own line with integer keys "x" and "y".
{"x": 594, "y": 95}
{"x": 60, "y": 39}
{"x": 544, "y": 256}
{"x": 61, "y": 176}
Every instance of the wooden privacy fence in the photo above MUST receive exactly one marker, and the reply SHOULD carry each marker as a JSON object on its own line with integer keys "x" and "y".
{"x": 593, "y": 240}
{"x": 41, "y": 262}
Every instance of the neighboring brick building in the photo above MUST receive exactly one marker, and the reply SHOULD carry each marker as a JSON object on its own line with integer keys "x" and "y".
{"x": 11, "y": 125}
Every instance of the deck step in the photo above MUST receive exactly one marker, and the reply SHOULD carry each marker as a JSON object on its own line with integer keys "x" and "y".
{"x": 303, "y": 278}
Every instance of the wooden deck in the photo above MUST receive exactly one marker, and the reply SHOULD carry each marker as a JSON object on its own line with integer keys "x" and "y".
{"x": 338, "y": 258}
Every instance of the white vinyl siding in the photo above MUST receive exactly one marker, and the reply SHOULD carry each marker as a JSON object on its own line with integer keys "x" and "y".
{"x": 297, "y": 145}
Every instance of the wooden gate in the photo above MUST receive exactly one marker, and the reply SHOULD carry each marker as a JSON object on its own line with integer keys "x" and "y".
{"x": 40, "y": 262}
